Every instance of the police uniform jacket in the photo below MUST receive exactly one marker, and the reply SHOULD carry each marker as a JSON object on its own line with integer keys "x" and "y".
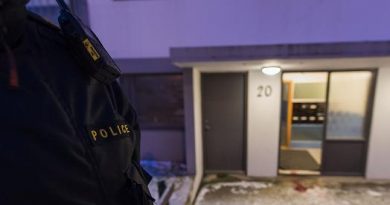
{"x": 65, "y": 138}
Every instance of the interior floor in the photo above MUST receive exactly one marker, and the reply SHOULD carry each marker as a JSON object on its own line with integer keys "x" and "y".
{"x": 300, "y": 161}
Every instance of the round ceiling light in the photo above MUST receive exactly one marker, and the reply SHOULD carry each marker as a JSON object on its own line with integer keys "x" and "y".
{"x": 271, "y": 70}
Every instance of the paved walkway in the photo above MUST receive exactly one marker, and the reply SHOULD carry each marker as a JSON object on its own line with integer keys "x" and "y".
{"x": 239, "y": 190}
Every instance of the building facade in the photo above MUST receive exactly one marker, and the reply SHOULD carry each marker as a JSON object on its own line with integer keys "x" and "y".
{"x": 230, "y": 110}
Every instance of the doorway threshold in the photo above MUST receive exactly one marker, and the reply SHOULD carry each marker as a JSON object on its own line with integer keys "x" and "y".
{"x": 299, "y": 172}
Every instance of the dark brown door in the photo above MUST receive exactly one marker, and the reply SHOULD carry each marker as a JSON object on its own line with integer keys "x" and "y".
{"x": 223, "y": 113}
{"x": 347, "y": 126}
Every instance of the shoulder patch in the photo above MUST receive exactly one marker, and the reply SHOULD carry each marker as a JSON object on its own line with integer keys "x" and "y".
{"x": 36, "y": 18}
{"x": 105, "y": 133}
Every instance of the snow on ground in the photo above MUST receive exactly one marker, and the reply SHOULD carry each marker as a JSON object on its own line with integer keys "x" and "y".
{"x": 182, "y": 188}
{"x": 243, "y": 190}
{"x": 171, "y": 173}
{"x": 240, "y": 188}
{"x": 297, "y": 191}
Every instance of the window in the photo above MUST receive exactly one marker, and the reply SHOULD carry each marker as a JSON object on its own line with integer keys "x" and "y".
{"x": 349, "y": 94}
{"x": 158, "y": 99}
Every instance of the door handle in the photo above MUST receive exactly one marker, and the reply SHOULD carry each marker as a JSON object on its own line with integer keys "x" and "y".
{"x": 207, "y": 127}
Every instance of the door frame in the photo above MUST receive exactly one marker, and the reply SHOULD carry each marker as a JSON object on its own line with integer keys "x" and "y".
{"x": 367, "y": 125}
{"x": 245, "y": 126}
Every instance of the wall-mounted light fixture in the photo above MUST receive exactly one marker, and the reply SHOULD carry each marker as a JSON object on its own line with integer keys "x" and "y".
{"x": 271, "y": 70}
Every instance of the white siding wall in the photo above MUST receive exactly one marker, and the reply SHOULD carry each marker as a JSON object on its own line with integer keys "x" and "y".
{"x": 197, "y": 133}
{"x": 378, "y": 165}
{"x": 263, "y": 125}
{"x": 139, "y": 29}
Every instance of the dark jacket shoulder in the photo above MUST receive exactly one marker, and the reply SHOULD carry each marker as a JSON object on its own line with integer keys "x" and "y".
{"x": 42, "y": 22}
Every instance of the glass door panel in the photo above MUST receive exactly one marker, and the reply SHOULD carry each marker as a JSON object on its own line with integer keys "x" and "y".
{"x": 347, "y": 105}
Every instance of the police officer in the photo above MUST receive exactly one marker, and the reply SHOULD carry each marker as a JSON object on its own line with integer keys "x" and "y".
{"x": 65, "y": 137}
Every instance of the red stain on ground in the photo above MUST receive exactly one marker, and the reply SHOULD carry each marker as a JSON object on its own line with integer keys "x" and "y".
{"x": 299, "y": 187}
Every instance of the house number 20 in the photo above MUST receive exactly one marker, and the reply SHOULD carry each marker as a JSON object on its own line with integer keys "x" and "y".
{"x": 264, "y": 91}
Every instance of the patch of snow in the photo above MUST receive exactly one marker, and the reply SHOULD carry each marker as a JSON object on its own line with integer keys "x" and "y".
{"x": 182, "y": 191}
{"x": 241, "y": 184}
{"x": 241, "y": 187}
{"x": 237, "y": 190}
{"x": 201, "y": 194}
{"x": 374, "y": 193}
{"x": 182, "y": 188}
{"x": 317, "y": 192}
{"x": 324, "y": 192}
{"x": 153, "y": 188}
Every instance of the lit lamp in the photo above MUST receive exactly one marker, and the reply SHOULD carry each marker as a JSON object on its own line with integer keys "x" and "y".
{"x": 271, "y": 70}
